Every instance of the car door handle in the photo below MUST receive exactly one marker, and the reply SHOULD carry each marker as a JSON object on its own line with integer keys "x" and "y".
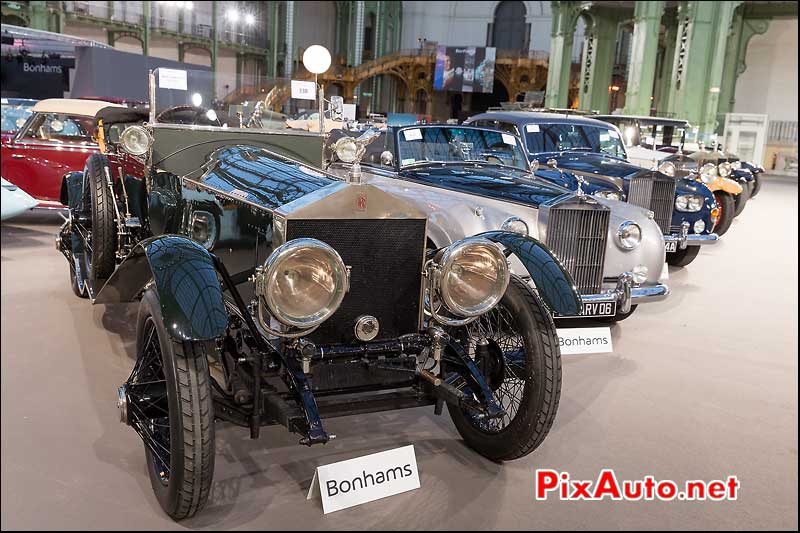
{"x": 18, "y": 156}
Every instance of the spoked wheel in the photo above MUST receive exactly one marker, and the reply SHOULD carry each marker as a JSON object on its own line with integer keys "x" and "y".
{"x": 523, "y": 370}
{"x": 167, "y": 400}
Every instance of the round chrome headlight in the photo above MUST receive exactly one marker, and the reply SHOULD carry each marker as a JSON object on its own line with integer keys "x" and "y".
{"x": 346, "y": 149}
{"x": 736, "y": 165}
{"x": 136, "y": 140}
{"x": 708, "y": 173}
{"x": 629, "y": 235}
{"x": 608, "y": 195}
{"x": 725, "y": 169}
{"x": 689, "y": 203}
{"x": 668, "y": 168}
{"x": 303, "y": 282}
{"x": 474, "y": 276}
{"x": 699, "y": 226}
{"x": 515, "y": 224}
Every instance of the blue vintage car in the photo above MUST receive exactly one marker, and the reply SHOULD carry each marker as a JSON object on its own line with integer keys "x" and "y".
{"x": 591, "y": 156}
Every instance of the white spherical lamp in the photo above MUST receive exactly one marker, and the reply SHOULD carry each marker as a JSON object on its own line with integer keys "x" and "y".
{"x": 316, "y": 59}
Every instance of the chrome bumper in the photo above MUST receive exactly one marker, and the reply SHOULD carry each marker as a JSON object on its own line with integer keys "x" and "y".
{"x": 626, "y": 294}
{"x": 684, "y": 239}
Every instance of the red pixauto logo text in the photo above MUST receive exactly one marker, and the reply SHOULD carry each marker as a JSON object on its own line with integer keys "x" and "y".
{"x": 553, "y": 484}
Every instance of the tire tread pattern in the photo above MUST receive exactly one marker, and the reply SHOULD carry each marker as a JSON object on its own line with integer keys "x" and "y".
{"x": 191, "y": 372}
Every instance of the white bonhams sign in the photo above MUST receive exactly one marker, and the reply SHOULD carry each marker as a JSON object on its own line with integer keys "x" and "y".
{"x": 365, "y": 479}
{"x": 584, "y": 340}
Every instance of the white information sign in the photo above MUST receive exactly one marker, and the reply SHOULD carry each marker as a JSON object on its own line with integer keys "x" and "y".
{"x": 413, "y": 134}
{"x": 170, "y": 78}
{"x": 304, "y": 90}
{"x": 584, "y": 340}
{"x": 509, "y": 139}
{"x": 349, "y": 112}
{"x": 365, "y": 479}
{"x": 532, "y": 128}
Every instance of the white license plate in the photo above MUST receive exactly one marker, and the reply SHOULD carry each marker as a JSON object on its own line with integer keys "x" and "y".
{"x": 671, "y": 246}
{"x": 598, "y": 308}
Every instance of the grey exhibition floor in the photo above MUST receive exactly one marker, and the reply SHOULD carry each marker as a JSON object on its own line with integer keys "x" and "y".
{"x": 699, "y": 387}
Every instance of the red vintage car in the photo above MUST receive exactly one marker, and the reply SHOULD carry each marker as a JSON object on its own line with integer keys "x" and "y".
{"x": 56, "y": 139}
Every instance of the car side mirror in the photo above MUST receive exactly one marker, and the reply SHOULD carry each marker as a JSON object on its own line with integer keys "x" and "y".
{"x": 552, "y": 163}
{"x": 387, "y": 158}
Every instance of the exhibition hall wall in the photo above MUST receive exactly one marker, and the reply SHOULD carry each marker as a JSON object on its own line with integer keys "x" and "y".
{"x": 769, "y": 84}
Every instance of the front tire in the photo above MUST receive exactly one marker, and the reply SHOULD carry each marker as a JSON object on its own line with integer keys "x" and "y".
{"x": 530, "y": 387}
{"x": 681, "y": 258}
{"x": 179, "y": 441}
{"x": 727, "y": 207}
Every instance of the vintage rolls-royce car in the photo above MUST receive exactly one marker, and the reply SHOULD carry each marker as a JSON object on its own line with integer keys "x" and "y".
{"x": 56, "y": 139}
{"x": 594, "y": 156}
{"x": 654, "y": 142}
{"x": 697, "y": 160}
{"x": 650, "y": 141}
{"x": 474, "y": 179}
{"x": 274, "y": 293}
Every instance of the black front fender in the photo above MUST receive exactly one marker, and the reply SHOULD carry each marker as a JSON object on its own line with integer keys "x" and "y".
{"x": 186, "y": 282}
{"x": 554, "y": 283}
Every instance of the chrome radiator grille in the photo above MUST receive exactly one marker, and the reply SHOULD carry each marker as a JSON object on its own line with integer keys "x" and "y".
{"x": 577, "y": 234}
{"x": 655, "y": 194}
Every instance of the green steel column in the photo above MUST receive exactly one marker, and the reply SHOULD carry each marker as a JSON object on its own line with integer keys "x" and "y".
{"x": 214, "y": 48}
{"x": 642, "y": 66}
{"x": 146, "y": 27}
{"x": 37, "y": 15}
{"x": 565, "y": 17}
{"x": 597, "y": 63}
{"x": 662, "y": 94}
{"x": 699, "y": 58}
{"x": 723, "y": 19}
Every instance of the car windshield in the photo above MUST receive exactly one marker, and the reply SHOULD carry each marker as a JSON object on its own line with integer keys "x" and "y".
{"x": 652, "y": 136}
{"x": 444, "y": 144}
{"x": 200, "y": 97}
{"x": 15, "y": 115}
{"x": 561, "y": 137}
{"x": 57, "y": 127}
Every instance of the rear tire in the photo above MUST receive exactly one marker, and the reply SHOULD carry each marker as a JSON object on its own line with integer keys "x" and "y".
{"x": 528, "y": 318}
{"x": 740, "y": 200}
{"x": 681, "y": 258}
{"x": 98, "y": 196}
{"x": 726, "y": 204}
{"x": 189, "y": 464}
{"x": 756, "y": 185}
{"x": 80, "y": 292}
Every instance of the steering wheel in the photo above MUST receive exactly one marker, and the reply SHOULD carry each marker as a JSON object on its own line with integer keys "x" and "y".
{"x": 186, "y": 114}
